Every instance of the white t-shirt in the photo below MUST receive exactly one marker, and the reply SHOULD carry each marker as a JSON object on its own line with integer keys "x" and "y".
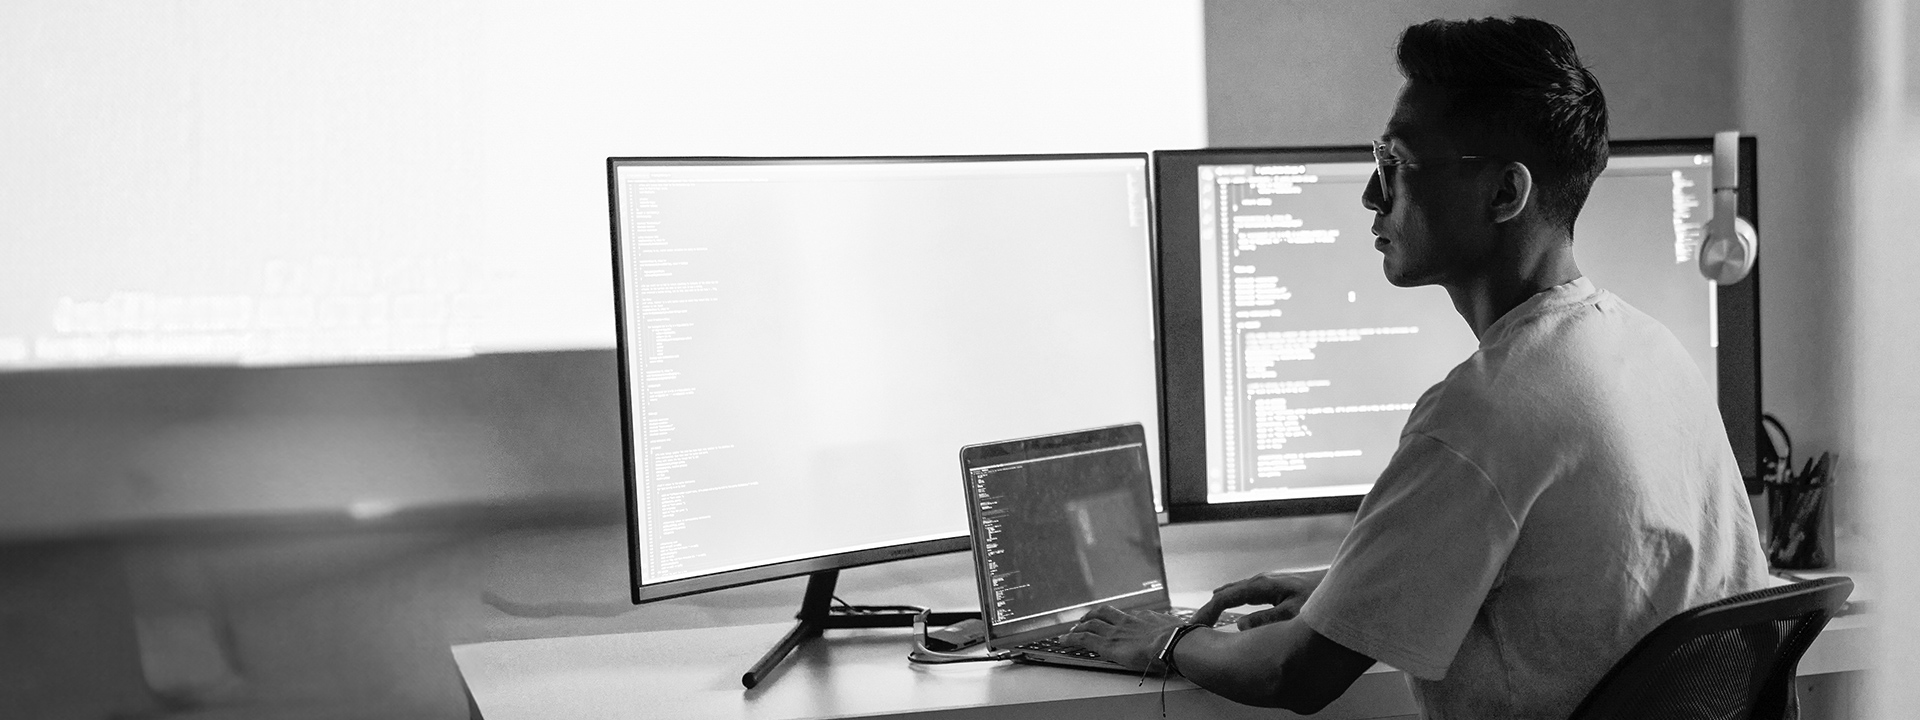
{"x": 1558, "y": 495}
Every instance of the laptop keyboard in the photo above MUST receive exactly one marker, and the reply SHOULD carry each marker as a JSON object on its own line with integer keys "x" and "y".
{"x": 1058, "y": 647}
{"x": 1055, "y": 646}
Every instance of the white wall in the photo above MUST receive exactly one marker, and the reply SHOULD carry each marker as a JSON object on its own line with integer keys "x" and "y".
{"x": 1829, "y": 88}
{"x": 1303, "y": 72}
{"x": 1882, "y": 409}
{"x": 1799, "y": 93}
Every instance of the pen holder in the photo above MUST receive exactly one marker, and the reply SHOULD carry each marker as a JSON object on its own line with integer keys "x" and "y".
{"x": 1800, "y": 525}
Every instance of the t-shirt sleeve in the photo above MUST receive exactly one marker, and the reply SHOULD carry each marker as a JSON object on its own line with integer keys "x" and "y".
{"x": 1426, "y": 547}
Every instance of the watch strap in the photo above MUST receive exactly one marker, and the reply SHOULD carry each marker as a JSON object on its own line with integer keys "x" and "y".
{"x": 1166, "y": 651}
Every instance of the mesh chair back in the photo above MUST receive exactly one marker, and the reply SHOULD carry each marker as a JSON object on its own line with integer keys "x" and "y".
{"x": 1733, "y": 659}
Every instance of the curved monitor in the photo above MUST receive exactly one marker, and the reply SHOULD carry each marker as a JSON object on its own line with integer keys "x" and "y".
{"x": 1291, "y": 364}
{"x": 806, "y": 343}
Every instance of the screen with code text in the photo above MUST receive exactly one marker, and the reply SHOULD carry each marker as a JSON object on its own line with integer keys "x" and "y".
{"x": 1311, "y": 362}
{"x": 807, "y": 344}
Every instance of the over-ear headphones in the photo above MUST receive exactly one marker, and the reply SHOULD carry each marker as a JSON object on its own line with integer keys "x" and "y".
{"x": 1776, "y": 454}
{"x": 1731, "y": 246}
{"x": 1726, "y": 258}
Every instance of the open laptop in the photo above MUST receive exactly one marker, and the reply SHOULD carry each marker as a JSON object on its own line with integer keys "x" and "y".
{"x": 1062, "y": 524}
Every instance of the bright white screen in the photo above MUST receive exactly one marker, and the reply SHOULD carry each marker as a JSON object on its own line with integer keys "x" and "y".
{"x": 809, "y": 345}
{"x": 274, "y": 183}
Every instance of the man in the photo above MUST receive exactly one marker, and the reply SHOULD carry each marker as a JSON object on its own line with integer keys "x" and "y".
{"x": 1560, "y": 493}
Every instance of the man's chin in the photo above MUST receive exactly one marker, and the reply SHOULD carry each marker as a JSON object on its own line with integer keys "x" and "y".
{"x": 1399, "y": 277}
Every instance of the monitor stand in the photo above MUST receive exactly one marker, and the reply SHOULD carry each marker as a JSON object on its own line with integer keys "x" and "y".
{"x": 817, "y": 614}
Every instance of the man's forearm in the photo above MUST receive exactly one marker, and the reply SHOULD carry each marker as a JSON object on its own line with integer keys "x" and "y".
{"x": 1285, "y": 665}
{"x": 1235, "y": 665}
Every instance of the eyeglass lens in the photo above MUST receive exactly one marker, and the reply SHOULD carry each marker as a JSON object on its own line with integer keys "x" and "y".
{"x": 1382, "y": 167}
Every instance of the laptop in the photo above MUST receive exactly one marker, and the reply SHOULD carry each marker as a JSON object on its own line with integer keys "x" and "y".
{"x": 1062, "y": 524}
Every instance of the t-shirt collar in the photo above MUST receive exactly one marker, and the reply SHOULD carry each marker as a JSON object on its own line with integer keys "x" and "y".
{"x": 1566, "y": 293}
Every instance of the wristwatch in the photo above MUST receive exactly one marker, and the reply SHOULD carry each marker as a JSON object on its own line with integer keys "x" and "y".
{"x": 1166, "y": 651}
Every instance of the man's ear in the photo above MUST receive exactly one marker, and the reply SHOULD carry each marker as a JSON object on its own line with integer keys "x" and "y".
{"x": 1510, "y": 196}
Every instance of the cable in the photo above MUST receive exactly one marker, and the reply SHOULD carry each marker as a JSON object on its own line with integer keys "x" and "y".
{"x": 845, "y": 609}
{"x": 923, "y": 655}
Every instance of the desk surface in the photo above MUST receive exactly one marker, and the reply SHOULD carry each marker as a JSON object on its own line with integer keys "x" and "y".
{"x": 695, "y": 673}
{"x": 864, "y": 673}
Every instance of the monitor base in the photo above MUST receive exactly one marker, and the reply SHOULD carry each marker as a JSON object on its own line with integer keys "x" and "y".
{"x": 817, "y": 615}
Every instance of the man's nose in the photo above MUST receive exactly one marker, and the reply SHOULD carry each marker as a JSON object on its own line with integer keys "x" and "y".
{"x": 1372, "y": 197}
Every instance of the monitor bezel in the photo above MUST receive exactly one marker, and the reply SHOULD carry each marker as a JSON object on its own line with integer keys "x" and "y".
{"x": 1183, "y": 462}
{"x": 961, "y": 541}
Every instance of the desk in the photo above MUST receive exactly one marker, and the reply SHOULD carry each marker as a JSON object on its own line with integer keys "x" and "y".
{"x": 695, "y": 674}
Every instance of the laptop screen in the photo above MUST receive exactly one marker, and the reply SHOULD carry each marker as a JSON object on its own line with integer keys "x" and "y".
{"x": 1061, "y": 524}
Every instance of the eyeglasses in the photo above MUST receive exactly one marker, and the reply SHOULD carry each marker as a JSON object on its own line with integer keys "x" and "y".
{"x": 1384, "y": 161}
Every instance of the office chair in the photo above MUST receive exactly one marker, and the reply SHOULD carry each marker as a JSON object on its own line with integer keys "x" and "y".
{"x": 1728, "y": 660}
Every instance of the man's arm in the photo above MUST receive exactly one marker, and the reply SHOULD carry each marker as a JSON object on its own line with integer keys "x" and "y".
{"x": 1282, "y": 664}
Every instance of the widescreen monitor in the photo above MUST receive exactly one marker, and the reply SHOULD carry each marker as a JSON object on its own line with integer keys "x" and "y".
{"x": 806, "y": 344}
{"x": 1291, "y": 364}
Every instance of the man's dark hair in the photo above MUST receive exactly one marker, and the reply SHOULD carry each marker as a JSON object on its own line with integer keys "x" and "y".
{"x": 1519, "y": 78}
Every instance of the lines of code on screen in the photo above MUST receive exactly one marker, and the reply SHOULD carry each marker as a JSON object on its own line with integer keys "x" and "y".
{"x": 809, "y": 345}
{"x": 1313, "y": 360}
{"x": 1065, "y": 532}
{"x": 1317, "y": 360}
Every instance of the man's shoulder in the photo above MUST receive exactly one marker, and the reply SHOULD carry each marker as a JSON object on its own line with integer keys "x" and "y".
{"x": 1562, "y": 365}
{"x": 1560, "y": 344}
{"x": 1570, "y": 325}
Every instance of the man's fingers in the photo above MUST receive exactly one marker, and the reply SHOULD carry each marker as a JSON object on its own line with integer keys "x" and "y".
{"x": 1270, "y": 615}
{"x": 1251, "y": 591}
{"x": 1209, "y": 613}
{"x": 1234, "y": 595}
{"x": 1091, "y": 625}
{"x": 1278, "y": 613}
{"x": 1112, "y": 615}
{"x": 1278, "y": 590}
{"x": 1086, "y": 640}
{"x": 1241, "y": 584}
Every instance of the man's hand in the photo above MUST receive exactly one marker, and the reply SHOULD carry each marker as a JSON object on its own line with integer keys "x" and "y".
{"x": 1131, "y": 639}
{"x": 1285, "y": 591}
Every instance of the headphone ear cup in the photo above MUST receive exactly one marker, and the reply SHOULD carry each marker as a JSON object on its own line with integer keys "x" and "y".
{"x": 1727, "y": 258}
{"x": 1776, "y": 454}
